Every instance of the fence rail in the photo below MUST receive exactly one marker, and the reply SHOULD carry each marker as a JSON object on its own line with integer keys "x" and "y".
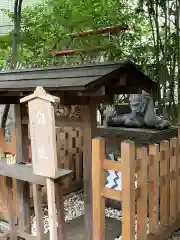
{"x": 151, "y": 201}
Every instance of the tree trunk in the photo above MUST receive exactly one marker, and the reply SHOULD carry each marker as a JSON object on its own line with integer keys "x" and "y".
{"x": 15, "y": 41}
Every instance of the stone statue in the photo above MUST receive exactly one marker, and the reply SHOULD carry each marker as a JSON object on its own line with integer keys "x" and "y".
{"x": 142, "y": 114}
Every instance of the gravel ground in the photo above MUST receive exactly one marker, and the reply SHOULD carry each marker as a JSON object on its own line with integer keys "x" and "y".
{"x": 74, "y": 207}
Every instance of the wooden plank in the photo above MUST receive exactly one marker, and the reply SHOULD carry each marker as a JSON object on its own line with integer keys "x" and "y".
{"x": 23, "y": 189}
{"x": 18, "y": 131}
{"x": 60, "y": 211}
{"x": 98, "y": 153}
{"x": 142, "y": 200}
{"x": 60, "y": 147}
{"x": 38, "y": 211}
{"x": 53, "y": 234}
{"x": 69, "y": 164}
{"x": 21, "y": 172}
{"x": 79, "y": 156}
{"x": 66, "y": 151}
{"x": 112, "y": 165}
{"x": 3, "y": 202}
{"x": 23, "y": 197}
{"x": 25, "y": 173}
{"x": 178, "y": 170}
{"x": 89, "y": 126}
{"x": 154, "y": 193}
{"x": 112, "y": 194}
{"x": 128, "y": 190}
{"x": 173, "y": 182}
{"x": 165, "y": 188}
{"x": 11, "y": 208}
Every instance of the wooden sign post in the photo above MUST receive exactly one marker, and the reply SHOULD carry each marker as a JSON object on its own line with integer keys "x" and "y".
{"x": 42, "y": 132}
{"x": 44, "y": 154}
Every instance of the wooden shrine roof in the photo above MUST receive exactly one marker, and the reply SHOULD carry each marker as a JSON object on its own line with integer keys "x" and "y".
{"x": 122, "y": 76}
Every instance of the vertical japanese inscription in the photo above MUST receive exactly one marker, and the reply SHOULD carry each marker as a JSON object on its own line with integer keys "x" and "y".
{"x": 42, "y": 137}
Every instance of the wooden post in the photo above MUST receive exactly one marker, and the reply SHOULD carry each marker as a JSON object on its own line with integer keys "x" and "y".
{"x": 89, "y": 125}
{"x": 173, "y": 182}
{"x": 164, "y": 185}
{"x": 43, "y": 133}
{"x": 44, "y": 153}
{"x": 60, "y": 211}
{"x": 23, "y": 189}
{"x": 154, "y": 193}
{"x": 10, "y": 207}
{"x": 53, "y": 234}
{"x": 98, "y": 156}
{"x": 142, "y": 199}
{"x": 128, "y": 190}
{"x": 38, "y": 211}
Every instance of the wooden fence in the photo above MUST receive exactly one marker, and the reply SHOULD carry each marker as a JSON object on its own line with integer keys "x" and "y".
{"x": 151, "y": 201}
{"x": 70, "y": 156}
{"x": 5, "y": 149}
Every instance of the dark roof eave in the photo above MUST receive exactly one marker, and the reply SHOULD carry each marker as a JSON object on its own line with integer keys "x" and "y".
{"x": 28, "y": 89}
{"x": 97, "y": 74}
{"x": 54, "y": 68}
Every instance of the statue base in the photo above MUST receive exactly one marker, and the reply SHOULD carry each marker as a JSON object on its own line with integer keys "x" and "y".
{"x": 141, "y": 136}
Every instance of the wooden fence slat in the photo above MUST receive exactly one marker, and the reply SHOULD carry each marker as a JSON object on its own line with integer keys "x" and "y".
{"x": 112, "y": 194}
{"x": 154, "y": 193}
{"x": 70, "y": 151}
{"x": 164, "y": 188}
{"x": 10, "y": 207}
{"x": 112, "y": 165}
{"x": 79, "y": 156}
{"x": 128, "y": 190}
{"x": 98, "y": 153}
{"x": 67, "y": 155}
{"x": 142, "y": 200}
{"x": 173, "y": 183}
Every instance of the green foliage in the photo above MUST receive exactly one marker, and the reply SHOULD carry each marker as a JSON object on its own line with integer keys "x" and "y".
{"x": 5, "y": 47}
{"x": 48, "y": 27}
{"x": 153, "y": 41}
{"x": 164, "y": 20}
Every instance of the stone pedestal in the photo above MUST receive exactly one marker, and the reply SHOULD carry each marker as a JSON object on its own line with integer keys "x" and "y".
{"x": 141, "y": 136}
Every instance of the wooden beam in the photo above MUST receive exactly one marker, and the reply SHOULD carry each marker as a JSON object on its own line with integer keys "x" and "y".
{"x": 101, "y": 91}
{"x": 23, "y": 189}
{"x": 25, "y": 173}
{"x": 9, "y": 100}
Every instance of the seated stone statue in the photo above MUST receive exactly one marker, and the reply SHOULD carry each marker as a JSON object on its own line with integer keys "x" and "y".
{"x": 142, "y": 114}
